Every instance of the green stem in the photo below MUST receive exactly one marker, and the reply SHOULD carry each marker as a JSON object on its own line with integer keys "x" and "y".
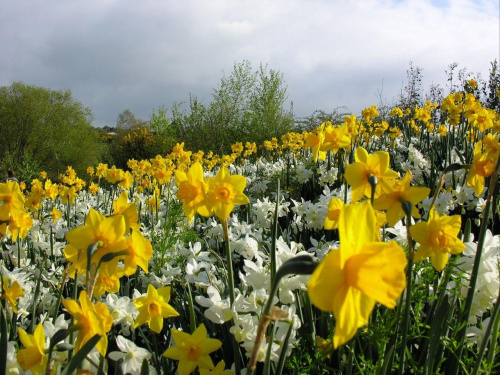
{"x": 475, "y": 271}
{"x": 192, "y": 317}
{"x": 274, "y": 233}
{"x": 38, "y": 274}
{"x": 409, "y": 272}
{"x": 230, "y": 283}
{"x": 484, "y": 342}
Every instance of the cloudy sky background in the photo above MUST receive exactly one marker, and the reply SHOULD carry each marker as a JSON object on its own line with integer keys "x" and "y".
{"x": 117, "y": 54}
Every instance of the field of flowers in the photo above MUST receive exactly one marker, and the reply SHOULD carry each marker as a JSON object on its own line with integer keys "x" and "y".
{"x": 367, "y": 247}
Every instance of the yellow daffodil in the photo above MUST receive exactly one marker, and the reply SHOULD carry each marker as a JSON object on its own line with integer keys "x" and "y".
{"x": 437, "y": 238}
{"x": 332, "y": 217}
{"x": 363, "y": 271}
{"x": 105, "y": 284}
{"x": 224, "y": 192}
{"x": 32, "y": 356}
{"x": 335, "y": 138}
{"x": 315, "y": 141}
{"x": 68, "y": 194}
{"x": 11, "y": 199}
{"x": 153, "y": 308}
{"x": 107, "y": 232}
{"x": 192, "y": 190}
{"x": 122, "y": 206}
{"x": 192, "y": 350}
{"x": 126, "y": 180}
{"x": 113, "y": 175}
{"x": 55, "y": 214}
{"x": 19, "y": 225}
{"x": 93, "y": 188}
{"x": 397, "y": 192}
{"x": 357, "y": 174}
{"x": 11, "y": 292}
{"x": 90, "y": 320}
{"x": 51, "y": 190}
{"x": 139, "y": 252}
{"x": 484, "y": 163}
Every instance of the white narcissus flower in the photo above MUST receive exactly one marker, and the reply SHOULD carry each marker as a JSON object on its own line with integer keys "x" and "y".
{"x": 132, "y": 355}
{"x": 219, "y": 311}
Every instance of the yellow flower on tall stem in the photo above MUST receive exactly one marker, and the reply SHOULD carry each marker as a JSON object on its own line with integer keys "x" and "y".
{"x": 224, "y": 192}
{"x": 139, "y": 252}
{"x": 335, "y": 138}
{"x": 107, "y": 232}
{"x": 375, "y": 166}
{"x": 192, "y": 190}
{"x": 437, "y": 238}
{"x": 395, "y": 193}
{"x": 11, "y": 199}
{"x": 11, "y": 292}
{"x": 154, "y": 307}
{"x": 32, "y": 356}
{"x": 484, "y": 163}
{"x": 19, "y": 225}
{"x": 315, "y": 141}
{"x": 90, "y": 320}
{"x": 192, "y": 350}
{"x": 363, "y": 271}
{"x": 122, "y": 206}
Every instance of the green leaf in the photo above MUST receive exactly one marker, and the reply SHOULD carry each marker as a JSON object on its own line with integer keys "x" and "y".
{"x": 145, "y": 367}
{"x": 3, "y": 343}
{"x": 437, "y": 325}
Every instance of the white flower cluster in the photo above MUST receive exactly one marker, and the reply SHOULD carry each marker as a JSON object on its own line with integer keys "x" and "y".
{"x": 488, "y": 281}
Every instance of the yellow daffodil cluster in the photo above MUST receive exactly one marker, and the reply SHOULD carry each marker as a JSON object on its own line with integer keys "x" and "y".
{"x": 11, "y": 291}
{"x": 486, "y": 154}
{"x": 14, "y": 220}
{"x": 217, "y": 195}
{"x": 108, "y": 247}
{"x": 327, "y": 138}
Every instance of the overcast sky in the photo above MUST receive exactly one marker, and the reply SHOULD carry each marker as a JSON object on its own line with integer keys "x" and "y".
{"x": 117, "y": 54}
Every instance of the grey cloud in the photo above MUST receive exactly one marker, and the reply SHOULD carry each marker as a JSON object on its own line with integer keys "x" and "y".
{"x": 115, "y": 55}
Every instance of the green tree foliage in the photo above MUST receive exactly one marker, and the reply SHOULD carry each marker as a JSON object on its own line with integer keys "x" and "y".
{"x": 492, "y": 90}
{"x": 161, "y": 125}
{"x": 247, "y": 105}
{"x": 127, "y": 121}
{"x": 139, "y": 139}
{"x": 45, "y": 129}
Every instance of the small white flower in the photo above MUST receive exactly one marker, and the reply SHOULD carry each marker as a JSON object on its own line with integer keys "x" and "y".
{"x": 132, "y": 355}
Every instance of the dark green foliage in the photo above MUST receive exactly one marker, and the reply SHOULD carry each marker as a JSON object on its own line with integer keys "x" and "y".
{"x": 246, "y": 106}
{"x": 45, "y": 129}
{"x": 492, "y": 91}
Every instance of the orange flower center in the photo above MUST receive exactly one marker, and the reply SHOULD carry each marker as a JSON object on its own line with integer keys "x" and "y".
{"x": 193, "y": 353}
{"x": 223, "y": 194}
{"x": 154, "y": 309}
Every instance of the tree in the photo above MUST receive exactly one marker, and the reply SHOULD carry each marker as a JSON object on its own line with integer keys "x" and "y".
{"x": 247, "y": 105}
{"x": 268, "y": 116}
{"x": 411, "y": 95}
{"x": 162, "y": 126}
{"x": 492, "y": 90}
{"x": 48, "y": 128}
{"x": 127, "y": 121}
